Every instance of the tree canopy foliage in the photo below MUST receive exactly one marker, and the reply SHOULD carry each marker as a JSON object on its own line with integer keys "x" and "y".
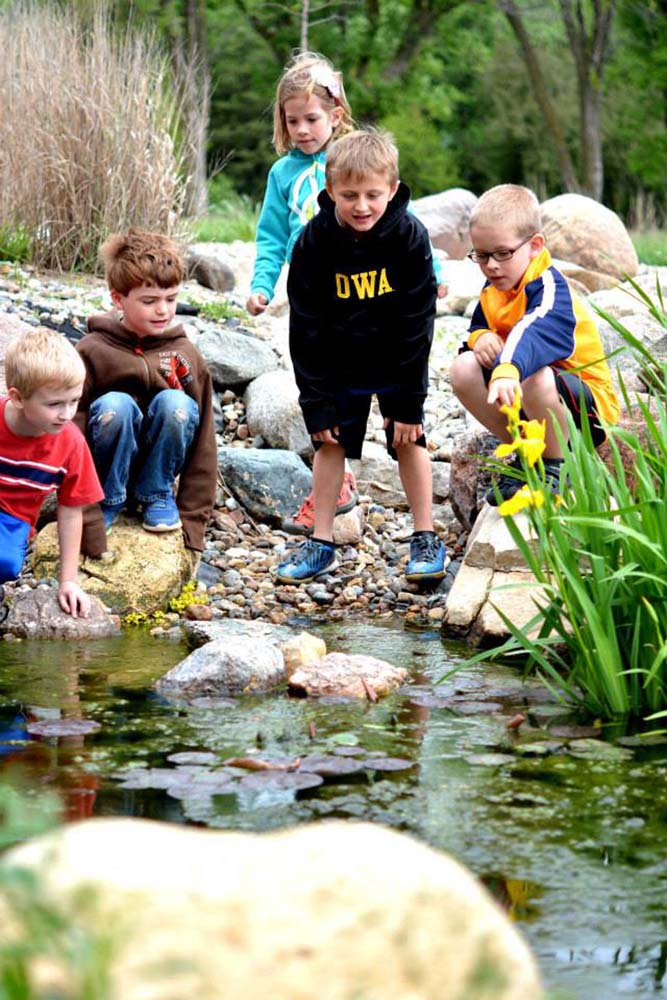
{"x": 564, "y": 95}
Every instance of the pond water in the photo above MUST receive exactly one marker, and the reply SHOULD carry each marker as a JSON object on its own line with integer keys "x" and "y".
{"x": 570, "y": 837}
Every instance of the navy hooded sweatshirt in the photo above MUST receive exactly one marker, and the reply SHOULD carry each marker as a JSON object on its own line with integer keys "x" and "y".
{"x": 361, "y": 311}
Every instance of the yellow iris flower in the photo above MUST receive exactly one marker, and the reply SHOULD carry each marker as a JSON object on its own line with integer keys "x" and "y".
{"x": 525, "y": 497}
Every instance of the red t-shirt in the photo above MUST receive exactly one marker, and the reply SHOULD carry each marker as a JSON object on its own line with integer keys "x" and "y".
{"x": 33, "y": 467}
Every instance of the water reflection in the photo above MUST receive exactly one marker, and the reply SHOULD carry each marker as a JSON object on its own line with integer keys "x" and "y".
{"x": 574, "y": 847}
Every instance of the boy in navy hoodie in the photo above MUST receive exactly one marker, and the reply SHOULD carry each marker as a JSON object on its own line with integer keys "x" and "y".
{"x": 362, "y": 303}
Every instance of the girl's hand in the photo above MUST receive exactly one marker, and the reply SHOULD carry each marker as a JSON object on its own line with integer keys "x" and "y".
{"x": 487, "y": 348}
{"x": 256, "y": 304}
{"x": 442, "y": 290}
{"x": 326, "y": 437}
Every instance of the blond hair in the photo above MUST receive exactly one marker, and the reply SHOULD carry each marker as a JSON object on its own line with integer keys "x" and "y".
{"x": 508, "y": 205}
{"x": 365, "y": 151}
{"x": 308, "y": 74}
{"x": 136, "y": 258}
{"x": 41, "y": 357}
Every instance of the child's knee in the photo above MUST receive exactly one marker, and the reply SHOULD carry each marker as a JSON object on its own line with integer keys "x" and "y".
{"x": 175, "y": 405}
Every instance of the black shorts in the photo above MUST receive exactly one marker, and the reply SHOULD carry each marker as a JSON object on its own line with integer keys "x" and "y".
{"x": 574, "y": 392}
{"x": 352, "y": 409}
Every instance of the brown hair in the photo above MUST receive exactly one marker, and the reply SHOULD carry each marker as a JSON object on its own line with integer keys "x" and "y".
{"x": 136, "y": 258}
{"x": 42, "y": 357}
{"x": 365, "y": 151}
{"x": 508, "y": 205}
{"x": 306, "y": 74}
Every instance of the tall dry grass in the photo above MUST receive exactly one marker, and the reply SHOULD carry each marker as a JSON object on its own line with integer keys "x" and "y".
{"x": 90, "y": 123}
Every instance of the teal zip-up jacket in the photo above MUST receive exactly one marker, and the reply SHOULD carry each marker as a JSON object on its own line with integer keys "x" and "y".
{"x": 290, "y": 201}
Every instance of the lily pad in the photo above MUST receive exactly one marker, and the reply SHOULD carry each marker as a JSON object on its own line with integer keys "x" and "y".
{"x": 598, "y": 750}
{"x": 576, "y": 732}
{"x": 390, "y": 764}
{"x": 63, "y": 727}
{"x": 212, "y": 783}
{"x": 331, "y": 767}
{"x": 193, "y": 757}
{"x": 490, "y": 759}
{"x": 288, "y": 780}
{"x": 153, "y": 777}
{"x": 539, "y": 748}
{"x": 474, "y": 707}
{"x": 347, "y": 751}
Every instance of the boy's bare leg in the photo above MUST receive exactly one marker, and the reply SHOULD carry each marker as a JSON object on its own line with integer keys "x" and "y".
{"x": 540, "y": 399}
{"x": 470, "y": 388}
{"x": 328, "y": 469}
{"x": 414, "y": 466}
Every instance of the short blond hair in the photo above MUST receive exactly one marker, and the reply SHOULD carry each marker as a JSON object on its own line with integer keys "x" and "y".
{"x": 360, "y": 153}
{"x": 306, "y": 74}
{"x": 137, "y": 258}
{"x": 42, "y": 357}
{"x": 510, "y": 205}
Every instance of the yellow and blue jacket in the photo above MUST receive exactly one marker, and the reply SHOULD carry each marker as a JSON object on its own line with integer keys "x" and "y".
{"x": 542, "y": 322}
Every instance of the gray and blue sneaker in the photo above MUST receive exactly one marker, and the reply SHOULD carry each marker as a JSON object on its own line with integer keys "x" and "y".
{"x": 428, "y": 558}
{"x": 161, "y": 514}
{"x": 309, "y": 559}
{"x": 506, "y": 484}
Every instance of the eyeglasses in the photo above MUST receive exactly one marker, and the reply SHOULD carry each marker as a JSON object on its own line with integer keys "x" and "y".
{"x": 499, "y": 255}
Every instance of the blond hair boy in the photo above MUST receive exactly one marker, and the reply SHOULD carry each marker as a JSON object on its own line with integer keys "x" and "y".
{"x": 42, "y": 452}
{"x": 362, "y": 304}
{"x": 530, "y": 334}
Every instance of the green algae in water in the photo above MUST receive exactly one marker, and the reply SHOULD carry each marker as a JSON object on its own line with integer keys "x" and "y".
{"x": 571, "y": 840}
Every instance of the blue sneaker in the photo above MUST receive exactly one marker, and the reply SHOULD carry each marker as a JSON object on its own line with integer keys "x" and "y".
{"x": 506, "y": 483}
{"x": 428, "y": 558}
{"x": 161, "y": 514}
{"x": 308, "y": 560}
{"x": 110, "y": 513}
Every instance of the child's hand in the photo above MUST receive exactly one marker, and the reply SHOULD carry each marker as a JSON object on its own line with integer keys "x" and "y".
{"x": 442, "y": 290}
{"x": 327, "y": 437}
{"x": 404, "y": 433}
{"x": 487, "y": 348}
{"x": 256, "y": 304}
{"x": 502, "y": 392}
{"x": 73, "y": 599}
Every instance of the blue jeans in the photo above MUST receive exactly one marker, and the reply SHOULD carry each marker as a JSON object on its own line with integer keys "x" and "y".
{"x": 14, "y": 536}
{"x": 137, "y": 452}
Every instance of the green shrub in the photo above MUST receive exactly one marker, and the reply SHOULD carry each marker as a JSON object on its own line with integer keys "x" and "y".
{"x": 15, "y": 244}
{"x": 651, "y": 246}
{"x": 233, "y": 218}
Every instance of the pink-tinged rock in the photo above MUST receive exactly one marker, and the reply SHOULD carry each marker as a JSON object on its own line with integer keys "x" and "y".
{"x": 350, "y": 675}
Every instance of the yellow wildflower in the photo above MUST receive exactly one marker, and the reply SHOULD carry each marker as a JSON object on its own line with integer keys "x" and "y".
{"x": 525, "y": 497}
{"x": 503, "y": 450}
{"x": 532, "y": 442}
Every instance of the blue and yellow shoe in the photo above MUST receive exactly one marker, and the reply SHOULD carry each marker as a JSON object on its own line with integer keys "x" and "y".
{"x": 309, "y": 559}
{"x": 428, "y": 558}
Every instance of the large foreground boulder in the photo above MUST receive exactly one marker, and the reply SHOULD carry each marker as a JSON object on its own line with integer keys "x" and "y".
{"x": 330, "y": 910}
{"x": 36, "y": 614}
{"x": 141, "y": 572}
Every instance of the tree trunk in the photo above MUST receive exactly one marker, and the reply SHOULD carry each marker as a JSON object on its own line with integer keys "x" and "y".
{"x": 565, "y": 165}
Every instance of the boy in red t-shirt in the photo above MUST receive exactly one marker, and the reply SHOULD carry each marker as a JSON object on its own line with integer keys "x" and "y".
{"x": 42, "y": 452}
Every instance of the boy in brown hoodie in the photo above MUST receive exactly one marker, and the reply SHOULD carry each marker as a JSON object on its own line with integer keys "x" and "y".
{"x": 146, "y": 407}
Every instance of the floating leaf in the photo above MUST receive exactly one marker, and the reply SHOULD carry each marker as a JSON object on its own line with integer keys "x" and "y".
{"x": 194, "y": 757}
{"x": 389, "y": 764}
{"x": 296, "y": 780}
{"x": 63, "y": 727}
{"x": 331, "y": 767}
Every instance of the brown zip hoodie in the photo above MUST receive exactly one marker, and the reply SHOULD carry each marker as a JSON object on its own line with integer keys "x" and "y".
{"x": 118, "y": 361}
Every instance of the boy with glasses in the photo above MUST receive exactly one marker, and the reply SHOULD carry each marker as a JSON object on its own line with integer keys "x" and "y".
{"x": 528, "y": 334}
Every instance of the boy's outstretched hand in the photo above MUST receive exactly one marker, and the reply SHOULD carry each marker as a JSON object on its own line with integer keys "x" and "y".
{"x": 502, "y": 392}
{"x": 73, "y": 599}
